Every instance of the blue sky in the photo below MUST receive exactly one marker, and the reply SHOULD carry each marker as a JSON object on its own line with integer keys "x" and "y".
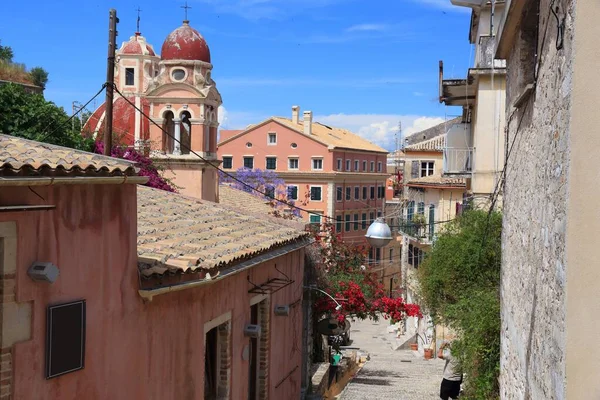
{"x": 359, "y": 65}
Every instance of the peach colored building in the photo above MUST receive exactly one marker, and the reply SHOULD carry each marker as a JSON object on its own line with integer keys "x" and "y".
{"x": 176, "y": 91}
{"x": 158, "y": 295}
{"x": 332, "y": 172}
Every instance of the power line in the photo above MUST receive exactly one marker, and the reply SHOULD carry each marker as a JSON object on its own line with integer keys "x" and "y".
{"x": 74, "y": 114}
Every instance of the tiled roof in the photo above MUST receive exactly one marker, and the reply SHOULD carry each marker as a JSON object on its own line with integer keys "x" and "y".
{"x": 249, "y": 203}
{"x": 20, "y": 156}
{"x": 180, "y": 234}
{"x": 435, "y": 144}
{"x": 336, "y": 137}
{"x": 437, "y": 180}
{"x": 432, "y": 132}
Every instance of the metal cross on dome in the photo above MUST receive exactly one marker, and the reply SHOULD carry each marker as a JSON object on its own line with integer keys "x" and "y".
{"x": 186, "y": 10}
{"x": 138, "y": 18}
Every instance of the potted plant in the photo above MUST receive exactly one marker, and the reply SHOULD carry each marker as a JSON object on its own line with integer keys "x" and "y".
{"x": 428, "y": 353}
{"x": 414, "y": 346}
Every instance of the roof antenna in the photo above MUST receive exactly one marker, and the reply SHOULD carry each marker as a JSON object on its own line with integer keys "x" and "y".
{"x": 186, "y": 21}
{"x": 137, "y": 30}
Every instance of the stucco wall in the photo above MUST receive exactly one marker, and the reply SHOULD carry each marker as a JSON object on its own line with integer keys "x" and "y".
{"x": 534, "y": 226}
{"x": 134, "y": 350}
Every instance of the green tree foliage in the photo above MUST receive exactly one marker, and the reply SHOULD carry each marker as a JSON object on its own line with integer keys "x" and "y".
{"x": 6, "y": 54}
{"x": 32, "y": 117}
{"x": 39, "y": 76}
{"x": 460, "y": 283}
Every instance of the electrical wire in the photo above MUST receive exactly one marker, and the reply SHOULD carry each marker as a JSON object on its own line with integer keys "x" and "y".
{"x": 74, "y": 114}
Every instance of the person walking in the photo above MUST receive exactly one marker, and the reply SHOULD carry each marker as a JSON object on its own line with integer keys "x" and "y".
{"x": 450, "y": 388}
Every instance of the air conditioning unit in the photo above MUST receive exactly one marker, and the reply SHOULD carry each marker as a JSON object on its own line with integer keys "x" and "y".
{"x": 43, "y": 272}
{"x": 252, "y": 331}
{"x": 282, "y": 311}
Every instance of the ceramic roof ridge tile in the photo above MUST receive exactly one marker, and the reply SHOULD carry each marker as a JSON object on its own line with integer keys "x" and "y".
{"x": 24, "y": 155}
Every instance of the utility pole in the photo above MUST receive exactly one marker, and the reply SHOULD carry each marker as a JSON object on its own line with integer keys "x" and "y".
{"x": 110, "y": 77}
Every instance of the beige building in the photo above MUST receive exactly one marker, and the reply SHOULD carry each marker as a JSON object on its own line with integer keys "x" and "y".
{"x": 430, "y": 200}
{"x": 550, "y": 261}
{"x": 475, "y": 144}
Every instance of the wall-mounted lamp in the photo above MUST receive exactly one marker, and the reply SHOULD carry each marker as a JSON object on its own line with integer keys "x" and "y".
{"x": 252, "y": 331}
{"x": 282, "y": 311}
{"x": 43, "y": 272}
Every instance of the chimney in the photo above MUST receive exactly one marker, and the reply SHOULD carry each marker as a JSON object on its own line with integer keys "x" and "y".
{"x": 308, "y": 123}
{"x": 295, "y": 112}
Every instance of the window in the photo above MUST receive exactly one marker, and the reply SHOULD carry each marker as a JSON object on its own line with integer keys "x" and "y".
{"x": 249, "y": 162}
{"x": 421, "y": 208}
{"x": 348, "y": 193}
{"x": 293, "y": 145}
{"x": 348, "y": 223}
{"x": 292, "y": 192}
{"x": 315, "y": 219}
{"x": 410, "y": 210}
{"x": 372, "y": 192}
{"x": 339, "y": 164}
{"x": 339, "y": 193}
{"x": 315, "y": 193}
{"x": 129, "y": 76}
{"x": 391, "y": 254}
{"x": 426, "y": 168}
{"x": 378, "y": 214}
{"x": 371, "y": 217}
{"x": 364, "y": 166}
{"x": 348, "y": 165}
{"x": 272, "y": 139}
{"x": 227, "y": 162}
{"x": 364, "y": 192}
{"x": 357, "y": 193}
{"x": 248, "y": 144}
{"x": 380, "y": 192}
{"x": 270, "y": 191}
{"x": 338, "y": 223}
{"x": 355, "y": 222}
{"x": 372, "y": 166}
{"x": 317, "y": 163}
{"x": 65, "y": 338}
{"x": 178, "y": 74}
{"x": 377, "y": 254}
{"x": 379, "y": 166}
{"x": 410, "y": 254}
{"x": 271, "y": 163}
{"x": 356, "y": 165}
{"x": 364, "y": 221}
{"x": 292, "y": 163}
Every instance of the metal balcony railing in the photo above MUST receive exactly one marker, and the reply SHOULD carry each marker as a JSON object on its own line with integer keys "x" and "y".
{"x": 458, "y": 160}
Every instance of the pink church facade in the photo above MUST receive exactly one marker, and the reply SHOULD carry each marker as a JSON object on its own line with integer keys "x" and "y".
{"x": 333, "y": 172}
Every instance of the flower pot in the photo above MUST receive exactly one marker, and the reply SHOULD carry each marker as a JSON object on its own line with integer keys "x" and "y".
{"x": 414, "y": 346}
{"x": 428, "y": 354}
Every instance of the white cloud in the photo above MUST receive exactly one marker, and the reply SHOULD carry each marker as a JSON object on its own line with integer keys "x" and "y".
{"x": 380, "y": 129}
{"x": 367, "y": 28}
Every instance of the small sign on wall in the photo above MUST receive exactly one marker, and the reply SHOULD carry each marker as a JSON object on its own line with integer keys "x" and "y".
{"x": 65, "y": 338}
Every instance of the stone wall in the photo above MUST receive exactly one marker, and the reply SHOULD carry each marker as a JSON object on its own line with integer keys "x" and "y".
{"x": 534, "y": 227}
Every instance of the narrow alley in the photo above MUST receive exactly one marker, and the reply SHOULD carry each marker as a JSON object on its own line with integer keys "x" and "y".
{"x": 390, "y": 374}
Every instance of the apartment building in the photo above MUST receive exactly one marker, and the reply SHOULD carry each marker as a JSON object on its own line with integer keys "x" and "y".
{"x": 328, "y": 171}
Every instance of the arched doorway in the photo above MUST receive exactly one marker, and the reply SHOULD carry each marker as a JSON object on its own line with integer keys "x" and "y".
{"x": 169, "y": 126}
{"x": 186, "y": 132}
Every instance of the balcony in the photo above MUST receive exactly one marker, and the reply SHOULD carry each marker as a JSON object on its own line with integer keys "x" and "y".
{"x": 485, "y": 54}
{"x": 458, "y": 151}
{"x": 419, "y": 230}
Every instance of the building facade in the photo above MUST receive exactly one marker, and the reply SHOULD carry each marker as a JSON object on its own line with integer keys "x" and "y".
{"x": 549, "y": 296}
{"x": 136, "y": 293}
{"x": 475, "y": 144}
{"x": 178, "y": 105}
{"x": 329, "y": 171}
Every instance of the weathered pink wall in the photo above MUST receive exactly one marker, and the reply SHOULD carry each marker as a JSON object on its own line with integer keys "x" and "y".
{"x": 133, "y": 350}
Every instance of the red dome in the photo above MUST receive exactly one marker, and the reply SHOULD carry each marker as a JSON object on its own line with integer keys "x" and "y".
{"x": 136, "y": 45}
{"x": 185, "y": 43}
{"x": 123, "y": 121}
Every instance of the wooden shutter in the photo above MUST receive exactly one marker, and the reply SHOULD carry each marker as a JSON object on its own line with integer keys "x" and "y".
{"x": 414, "y": 169}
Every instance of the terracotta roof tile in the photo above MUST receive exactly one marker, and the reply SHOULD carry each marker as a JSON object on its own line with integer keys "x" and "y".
{"x": 336, "y": 137}
{"x": 434, "y": 144}
{"x": 249, "y": 203}
{"x": 437, "y": 180}
{"x": 183, "y": 234}
{"x": 20, "y": 156}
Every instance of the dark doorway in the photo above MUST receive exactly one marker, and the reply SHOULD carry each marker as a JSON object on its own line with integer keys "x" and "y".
{"x": 253, "y": 367}
{"x": 210, "y": 365}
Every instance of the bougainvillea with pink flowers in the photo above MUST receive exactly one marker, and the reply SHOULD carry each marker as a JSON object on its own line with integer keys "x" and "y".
{"x": 143, "y": 162}
{"x": 343, "y": 274}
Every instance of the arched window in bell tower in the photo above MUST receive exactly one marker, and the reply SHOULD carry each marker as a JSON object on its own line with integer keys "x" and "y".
{"x": 186, "y": 132}
{"x": 169, "y": 126}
